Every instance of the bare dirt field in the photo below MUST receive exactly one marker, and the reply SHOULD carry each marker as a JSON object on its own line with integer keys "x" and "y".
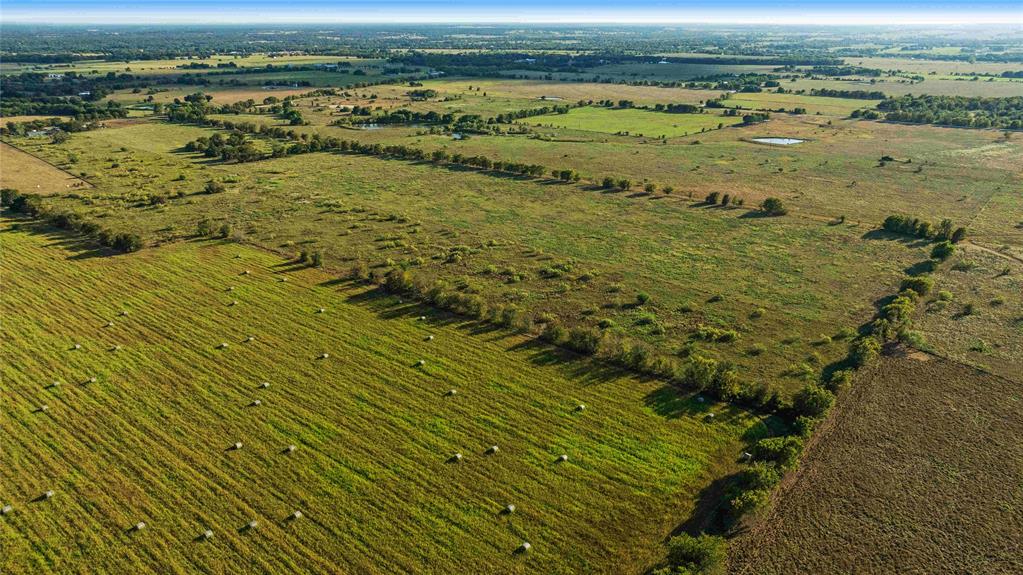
{"x": 919, "y": 471}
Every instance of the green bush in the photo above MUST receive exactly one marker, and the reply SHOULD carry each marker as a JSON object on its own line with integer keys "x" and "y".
{"x": 213, "y": 187}
{"x": 700, "y": 555}
{"x": 864, "y": 351}
{"x": 920, "y": 284}
{"x": 943, "y": 251}
{"x": 812, "y": 401}
{"x": 783, "y": 450}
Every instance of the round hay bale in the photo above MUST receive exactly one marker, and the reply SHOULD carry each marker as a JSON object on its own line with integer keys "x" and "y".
{"x": 48, "y": 495}
{"x": 234, "y": 302}
{"x": 78, "y": 346}
{"x": 140, "y": 526}
{"x": 324, "y": 355}
{"x": 55, "y": 384}
{"x": 117, "y": 348}
{"x": 509, "y": 509}
{"x": 429, "y": 338}
{"x": 422, "y": 318}
{"x": 92, "y": 379}
{"x": 295, "y": 515}
{"x": 525, "y": 547}
{"x": 252, "y": 524}
{"x": 492, "y": 450}
{"x": 290, "y": 449}
{"x": 456, "y": 458}
{"x": 208, "y": 534}
{"x": 124, "y": 312}
{"x": 110, "y": 324}
{"x": 44, "y": 407}
{"x": 321, "y": 310}
{"x": 223, "y": 345}
{"x": 562, "y": 458}
{"x": 421, "y": 363}
{"x": 264, "y": 385}
{"x": 451, "y": 392}
{"x": 256, "y": 403}
{"x": 250, "y": 339}
{"x": 237, "y": 445}
{"x": 230, "y": 288}
{"x": 246, "y": 272}
{"x": 580, "y": 407}
{"x": 6, "y": 509}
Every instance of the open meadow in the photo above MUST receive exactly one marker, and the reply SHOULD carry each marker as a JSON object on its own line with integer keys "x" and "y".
{"x": 670, "y": 247}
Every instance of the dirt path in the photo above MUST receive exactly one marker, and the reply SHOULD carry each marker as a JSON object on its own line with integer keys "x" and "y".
{"x": 997, "y": 253}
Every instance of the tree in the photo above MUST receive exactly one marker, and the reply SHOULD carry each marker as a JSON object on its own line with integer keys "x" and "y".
{"x": 712, "y": 198}
{"x": 773, "y": 207}
{"x": 958, "y": 235}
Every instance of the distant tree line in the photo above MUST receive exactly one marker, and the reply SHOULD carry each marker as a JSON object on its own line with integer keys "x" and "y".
{"x": 961, "y": 111}
{"x": 854, "y": 94}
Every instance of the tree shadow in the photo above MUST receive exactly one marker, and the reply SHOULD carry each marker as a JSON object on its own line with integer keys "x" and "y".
{"x": 670, "y": 402}
{"x": 83, "y": 247}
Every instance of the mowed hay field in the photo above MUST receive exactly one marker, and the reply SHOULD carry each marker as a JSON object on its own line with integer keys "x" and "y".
{"x": 148, "y": 440}
{"x": 30, "y": 174}
{"x": 920, "y": 470}
{"x": 635, "y": 122}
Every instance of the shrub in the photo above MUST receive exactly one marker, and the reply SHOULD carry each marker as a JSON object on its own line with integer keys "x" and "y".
{"x": 642, "y": 298}
{"x": 555, "y": 334}
{"x": 7, "y": 196}
{"x": 783, "y": 450}
{"x": 864, "y": 350}
{"x": 703, "y": 555}
{"x": 943, "y": 251}
{"x": 359, "y": 271}
{"x": 920, "y": 284}
{"x": 839, "y": 380}
{"x": 773, "y": 207}
{"x": 748, "y": 501}
{"x": 204, "y": 228}
{"x": 712, "y": 198}
{"x": 316, "y": 259}
{"x": 213, "y": 187}
{"x": 584, "y": 340}
{"x": 812, "y": 401}
{"x": 224, "y": 231}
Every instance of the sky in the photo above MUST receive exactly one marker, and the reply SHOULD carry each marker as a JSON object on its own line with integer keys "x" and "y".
{"x": 827, "y": 12}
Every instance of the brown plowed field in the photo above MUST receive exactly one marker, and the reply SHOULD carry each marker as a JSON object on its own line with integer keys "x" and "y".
{"x": 919, "y": 471}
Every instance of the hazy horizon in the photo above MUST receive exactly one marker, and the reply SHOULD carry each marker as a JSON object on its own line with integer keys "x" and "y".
{"x": 806, "y": 12}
